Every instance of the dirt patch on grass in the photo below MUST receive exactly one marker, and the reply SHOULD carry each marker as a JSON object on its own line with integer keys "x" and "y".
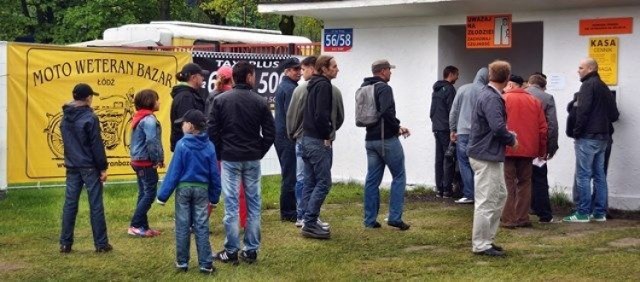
{"x": 6, "y": 267}
{"x": 625, "y": 243}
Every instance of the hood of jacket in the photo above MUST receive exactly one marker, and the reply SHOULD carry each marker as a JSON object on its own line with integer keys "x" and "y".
{"x": 181, "y": 87}
{"x": 75, "y": 110}
{"x": 195, "y": 142}
{"x": 315, "y": 79}
{"x": 439, "y": 84}
{"x": 482, "y": 76}
{"x": 371, "y": 80}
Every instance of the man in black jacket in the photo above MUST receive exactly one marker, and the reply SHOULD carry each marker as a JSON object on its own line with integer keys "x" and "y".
{"x": 86, "y": 162}
{"x": 317, "y": 152}
{"x": 242, "y": 130}
{"x": 594, "y": 110}
{"x": 384, "y": 149}
{"x": 441, "y": 102}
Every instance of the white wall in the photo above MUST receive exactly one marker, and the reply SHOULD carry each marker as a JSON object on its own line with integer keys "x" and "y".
{"x": 3, "y": 116}
{"x": 411, "y": 44}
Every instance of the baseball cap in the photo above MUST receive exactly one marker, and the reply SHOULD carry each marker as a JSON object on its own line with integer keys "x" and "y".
{"x": 381, "y": 64}
{"x": 517, "y": 79}
{"x": 292, "y": 62}
{"x": 194, "y": 117}
{"x": 82, "y": 90}
{"x": 224, "y": 72}
{"x": 193, "y": 68}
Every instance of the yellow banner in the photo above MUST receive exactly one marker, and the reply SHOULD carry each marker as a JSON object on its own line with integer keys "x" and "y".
{"x": 40, "y": 80}
{"x": 605, "y": 51}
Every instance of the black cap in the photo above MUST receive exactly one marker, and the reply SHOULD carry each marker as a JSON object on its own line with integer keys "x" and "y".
{"x": 292, "y": 62}
{"x": 82, "y": 90}
{"x": 194, "y": 117}
{"x": 517, "y": 79}
{"x": 193, "y": 68}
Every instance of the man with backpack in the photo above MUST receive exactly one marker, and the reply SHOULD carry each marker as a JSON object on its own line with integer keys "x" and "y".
{"x": 376, "y": 110}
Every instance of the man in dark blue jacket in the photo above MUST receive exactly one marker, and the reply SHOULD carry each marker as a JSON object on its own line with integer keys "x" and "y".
{"x": 487, "y": 145}
{"x": 317, "y": 152}
{"x": 86, "y": 163}
{"x": 286, "y": 148}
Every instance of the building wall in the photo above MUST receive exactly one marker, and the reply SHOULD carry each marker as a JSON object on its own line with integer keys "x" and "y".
{"x": 3, "y": 116}
{"x": 411, "y": 44}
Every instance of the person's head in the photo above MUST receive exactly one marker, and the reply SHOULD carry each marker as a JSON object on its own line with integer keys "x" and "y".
{"x": 308, "y": 67}
{"x": 292, "y": 68}
{"x": 244, "y": 73}
{"x": 538, "y": 80}
{"x": 450, "y": 74}
{"x": 515, "y": 82}
{"x": 382, "y": 69}
{"x": 587, "y": 65}
{"x": 499, "y": 72}
{"x": 224, "y": 77}
{"x": 147, "y": 99}
{"x": 192, "y": 74}
{"x": 327, "y": 66}
{"x": 193, "y": 122}
{"x": 540, "y": 74}
{"x": 83, "y": 92}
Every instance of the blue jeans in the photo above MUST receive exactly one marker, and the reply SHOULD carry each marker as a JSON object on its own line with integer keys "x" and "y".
{"x": 76, "y": 178}
{"x": 465, "y": 167}
{"x": 317, "y": 159}
{"x": 232, "y": 174}
{"x": 191, "y": 210}
{"x": 590, "y": 165}
{"x": 393, "y": 158}
{"x": 286, "y": 150}
{"x": 299, "y": 179}
{"x": 147, "y": 185}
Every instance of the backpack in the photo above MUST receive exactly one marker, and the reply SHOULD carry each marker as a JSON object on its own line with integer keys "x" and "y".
{"x": 366, "y": 111}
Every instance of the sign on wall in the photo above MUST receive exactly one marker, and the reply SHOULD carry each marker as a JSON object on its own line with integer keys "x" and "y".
{"x": 268, "y": 73}
{"x": 605, "y": 51}
{"x": 338, "y": 40}
{"x": 40, "y": 81}
{"x": 606, "y": 26}
{"x": 493, "y": 31}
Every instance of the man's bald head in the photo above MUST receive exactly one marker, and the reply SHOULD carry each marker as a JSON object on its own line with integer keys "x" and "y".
{"x": 587, "y": 65}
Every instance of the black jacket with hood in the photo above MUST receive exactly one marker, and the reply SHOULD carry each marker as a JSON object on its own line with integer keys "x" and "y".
{"x": 83, "y": 145}
{"x": 441, "y": 102}
{"x": 386, "y": 106}
{"x": 185, "y": 98}
{"x": 317, "y": 114}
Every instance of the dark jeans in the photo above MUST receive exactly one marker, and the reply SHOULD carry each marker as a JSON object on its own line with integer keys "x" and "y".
{"x": 286, "y": 150}
{"x": 147, "y": 185}
{"x": 540, "y": 203}
{"x": 444, "y": 166}
{"x": 191, "y": 211}
{"x": 317, "y": 176}
{"x": 76, "y": 178}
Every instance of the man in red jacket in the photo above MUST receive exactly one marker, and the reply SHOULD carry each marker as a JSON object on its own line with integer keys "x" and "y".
{"x": 526, "y": 118}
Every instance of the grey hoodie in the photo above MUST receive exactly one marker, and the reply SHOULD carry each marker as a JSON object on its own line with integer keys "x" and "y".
{"x": 465, "y": 100}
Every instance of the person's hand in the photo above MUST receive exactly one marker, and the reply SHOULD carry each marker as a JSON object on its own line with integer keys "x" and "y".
{"x": 453, "y": 136}
{"x": 103, "y": 176}
{"x": 327, "y": 143}
{"x": 159, "y": 165}
{"x": 515, "y": 144}
{"x": 404, "y": 132}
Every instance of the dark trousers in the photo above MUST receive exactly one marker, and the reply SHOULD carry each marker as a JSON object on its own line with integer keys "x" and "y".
{"x": 147, "y": 185}
{"x": 286, "y": 150}
{"x": 517, "y": 175}
{"x": 444, "y": 166}
{"x": 318, "y": 159}
{"x": 540, "y": 203}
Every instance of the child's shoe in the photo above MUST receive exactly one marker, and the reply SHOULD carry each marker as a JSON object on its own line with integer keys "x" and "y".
{"x": 182, "y": 267}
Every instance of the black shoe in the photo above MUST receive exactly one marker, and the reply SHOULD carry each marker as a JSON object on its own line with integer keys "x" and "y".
{"x": 227, "y": 257}
{"x": 497, "y": 248}
{"x": 207, "y": 270}
{"x": 492, "y": 252}
{"x": 446, "y": 195}
{"x": 375, "y": 225}
{"x": 400, "y": 225}
{"x": 65, "y": 249}
{"x": 525, "y": 225}
{"x": 249, "y": 256}
{"x": 104, "y": 249}
{"x": 315, "y": 231}
{"x": 439, "y": 195}
{"x": 289, "y": 218}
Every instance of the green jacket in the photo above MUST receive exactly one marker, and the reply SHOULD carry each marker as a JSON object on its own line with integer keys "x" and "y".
{"x": 295, "y": 113}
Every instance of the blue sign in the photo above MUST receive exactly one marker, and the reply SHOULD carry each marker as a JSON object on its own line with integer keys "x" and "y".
{"x": 338, "y": 40}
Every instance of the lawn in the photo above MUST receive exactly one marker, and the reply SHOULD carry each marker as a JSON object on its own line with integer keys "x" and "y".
{"x": 437, "y": 247}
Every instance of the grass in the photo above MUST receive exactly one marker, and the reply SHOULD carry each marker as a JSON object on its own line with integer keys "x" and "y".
{"x": 437, "y": 247}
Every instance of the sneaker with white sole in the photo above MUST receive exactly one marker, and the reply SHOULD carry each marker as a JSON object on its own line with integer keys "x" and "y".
{"x": 299, "y": 223}
{"x": 464, "y": 201}
{"x": 598, "y": 218}
{"x": 576, "y": 217}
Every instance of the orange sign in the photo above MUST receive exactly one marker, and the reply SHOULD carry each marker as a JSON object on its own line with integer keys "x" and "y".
{"x": 606, "y": 26}
{"x": 489, "y": 31}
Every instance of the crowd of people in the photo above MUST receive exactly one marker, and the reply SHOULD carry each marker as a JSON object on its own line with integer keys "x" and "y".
{"x": 495, "y": 134}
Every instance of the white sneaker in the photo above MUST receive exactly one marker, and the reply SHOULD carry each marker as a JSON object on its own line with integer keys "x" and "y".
{"x": 299, "y": 223}
{"x": 464, "y": 201}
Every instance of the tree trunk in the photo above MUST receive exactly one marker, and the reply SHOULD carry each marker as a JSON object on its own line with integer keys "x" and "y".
{"x": 165, "y": 10}
{"x": 286, "y": 25}
{"x": 25, "y": 8}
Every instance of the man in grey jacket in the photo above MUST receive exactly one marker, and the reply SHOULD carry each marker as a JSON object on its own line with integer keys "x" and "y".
{"x": 460, "y": 127}
{"x": 540, "y": 203}
{"x": 487, "y": 145}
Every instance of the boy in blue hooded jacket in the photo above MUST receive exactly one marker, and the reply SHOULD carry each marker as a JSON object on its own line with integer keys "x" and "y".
{"x": 193, "y": 173}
